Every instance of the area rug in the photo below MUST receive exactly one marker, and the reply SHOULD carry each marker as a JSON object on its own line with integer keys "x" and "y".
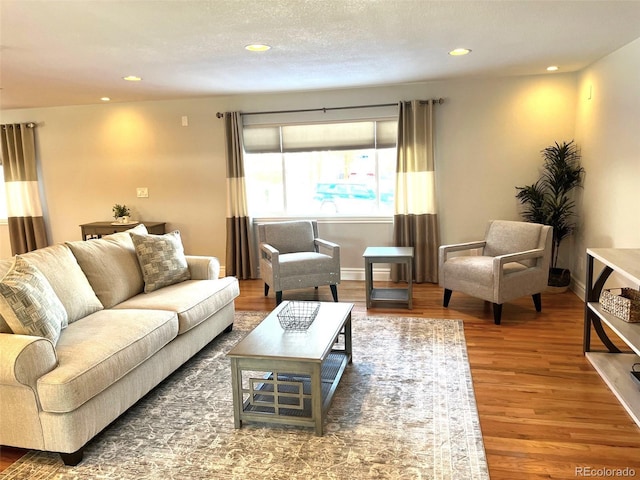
{"x": 405, "y": 409}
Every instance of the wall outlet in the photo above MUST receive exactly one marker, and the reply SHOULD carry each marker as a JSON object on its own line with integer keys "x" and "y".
{"x": 142, "y": 192}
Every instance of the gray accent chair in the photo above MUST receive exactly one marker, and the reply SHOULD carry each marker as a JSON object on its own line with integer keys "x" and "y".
{"x": 512, "y": 262}
{"x": 292, "y": 256}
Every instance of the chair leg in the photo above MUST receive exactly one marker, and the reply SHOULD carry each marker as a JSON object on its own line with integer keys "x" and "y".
{"x": 447, "y": 297}
{"x": 537, "y": 301}
{"x": 278, "y": 298}
{"x": 497, "y": 313}
{"x": 334, "y": 292}
{"x": 266, "y": 289}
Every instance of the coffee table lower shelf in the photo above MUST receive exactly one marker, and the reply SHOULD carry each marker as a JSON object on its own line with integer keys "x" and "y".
{"x": 290, "y": 393}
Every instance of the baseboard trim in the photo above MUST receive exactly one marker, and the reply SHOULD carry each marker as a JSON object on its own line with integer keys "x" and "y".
{"x": 578, "y": 288}
{"x": 379, "y": 274}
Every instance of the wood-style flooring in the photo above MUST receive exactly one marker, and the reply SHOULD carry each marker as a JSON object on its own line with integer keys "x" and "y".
{"x": 544, "y": 411}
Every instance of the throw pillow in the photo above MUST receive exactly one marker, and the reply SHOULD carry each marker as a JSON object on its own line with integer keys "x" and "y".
{"x": 28, "y": 303}
{"x": 161, "y": 259}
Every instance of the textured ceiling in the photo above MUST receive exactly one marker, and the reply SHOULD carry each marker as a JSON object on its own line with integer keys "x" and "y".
{"x": 73, "y": 52}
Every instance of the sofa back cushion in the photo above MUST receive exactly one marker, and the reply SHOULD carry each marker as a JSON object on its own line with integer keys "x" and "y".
{"x": 65, "y": 276}
{"x": 111, "y": 266}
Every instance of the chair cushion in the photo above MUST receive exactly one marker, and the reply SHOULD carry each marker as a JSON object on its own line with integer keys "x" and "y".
{"x": 477, "y": 269}
{"x": 28, "y": 303}
{"x": 505, "y": 237}
{"x": 301, "y": 263}
{"x": 287, "y": 237}
{"x": 193, "y": 300}
{"x": 161, "y": 259}
{"x": 96, "y": 351}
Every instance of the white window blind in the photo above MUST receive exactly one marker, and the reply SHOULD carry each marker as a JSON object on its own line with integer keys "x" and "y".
{"x": 320, "y": 136}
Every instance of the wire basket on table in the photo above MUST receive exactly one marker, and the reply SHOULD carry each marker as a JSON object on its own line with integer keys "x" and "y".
{"x": 298, "y": 315}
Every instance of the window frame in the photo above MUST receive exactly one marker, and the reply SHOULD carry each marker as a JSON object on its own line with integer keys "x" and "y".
{"x": 374, "y": 148}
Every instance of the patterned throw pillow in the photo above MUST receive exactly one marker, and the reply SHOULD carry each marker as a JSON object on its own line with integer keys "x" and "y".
{"x": 28, "y": 303}
{"x": 161, "y": 259}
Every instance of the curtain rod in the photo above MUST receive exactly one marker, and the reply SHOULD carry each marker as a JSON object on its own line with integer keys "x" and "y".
{"x": 28, "y": 125}
{"x": 327, "y": 109}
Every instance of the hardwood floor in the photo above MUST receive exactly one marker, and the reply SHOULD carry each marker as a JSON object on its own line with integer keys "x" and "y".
{"x": 543, "y": 409}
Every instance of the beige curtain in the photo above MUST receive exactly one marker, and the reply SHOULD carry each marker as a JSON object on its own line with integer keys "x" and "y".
{"x": 415, "y": 223}
{"x": 18, "y": 155}
{"x": 241, "y": 261}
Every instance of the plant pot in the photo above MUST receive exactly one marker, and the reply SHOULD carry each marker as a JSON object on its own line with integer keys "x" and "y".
{"x": 559, "y": 280}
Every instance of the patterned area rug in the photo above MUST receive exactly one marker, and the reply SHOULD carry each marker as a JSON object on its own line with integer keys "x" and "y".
{"x": 404, "y": 409}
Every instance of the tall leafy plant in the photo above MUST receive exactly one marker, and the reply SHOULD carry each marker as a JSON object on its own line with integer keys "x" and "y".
{"x": 548, "y": 201}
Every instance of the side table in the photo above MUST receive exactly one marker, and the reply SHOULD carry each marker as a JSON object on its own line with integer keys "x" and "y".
{"x": 98, "y": 229}
{"x": 388, "y": 255}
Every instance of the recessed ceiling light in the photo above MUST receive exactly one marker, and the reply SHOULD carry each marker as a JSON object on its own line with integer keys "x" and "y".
{"x": 459, "y": 51}
{"x": 131, "y": 78}
{"x": 552, "y": 68}
{"x": 257, "y": 47}
{"x": 105, "y": 99}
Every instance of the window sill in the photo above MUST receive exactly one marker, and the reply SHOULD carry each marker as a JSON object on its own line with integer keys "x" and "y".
{"x": 328, "y": 219}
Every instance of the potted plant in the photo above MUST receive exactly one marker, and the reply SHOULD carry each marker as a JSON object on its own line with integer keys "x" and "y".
{"x": 121, "y": 213}
{"x": 548, "y": 201}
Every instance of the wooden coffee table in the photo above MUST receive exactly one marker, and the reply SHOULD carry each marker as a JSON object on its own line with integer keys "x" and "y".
{"x": 290, "y": 377}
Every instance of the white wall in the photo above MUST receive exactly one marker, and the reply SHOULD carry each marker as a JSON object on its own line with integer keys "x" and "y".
{"x": 489, "y": 134}
{"x": 608, "y": 130}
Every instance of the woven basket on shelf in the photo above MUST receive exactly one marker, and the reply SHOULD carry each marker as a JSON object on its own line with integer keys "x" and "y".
{"x": 625, "y": 306}
{"x": 298, "y": 315}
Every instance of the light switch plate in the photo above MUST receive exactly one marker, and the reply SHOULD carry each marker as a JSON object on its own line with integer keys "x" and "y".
{"x": 142, "y": 192}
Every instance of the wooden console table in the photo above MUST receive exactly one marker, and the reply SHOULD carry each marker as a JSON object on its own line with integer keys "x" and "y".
{"x": 613, "y": 364}
{"x": 98, "y": 229}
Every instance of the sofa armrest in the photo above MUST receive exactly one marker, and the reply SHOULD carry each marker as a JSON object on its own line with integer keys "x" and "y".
{"x": 24, "y": 359}
{"x": 203, "y": 267}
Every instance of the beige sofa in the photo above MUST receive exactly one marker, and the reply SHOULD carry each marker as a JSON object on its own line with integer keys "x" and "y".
{"x": 117, "y": 334}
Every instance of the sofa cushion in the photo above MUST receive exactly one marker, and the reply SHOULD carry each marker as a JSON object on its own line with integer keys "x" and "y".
{"x": 193, "y": 300}
{"x": 111, "y": 266}
{"x": 161, "y": 259}
{"x": 65, "y": 276}
{"x": 96, "y": 351}
{"x": 28, "y": 303}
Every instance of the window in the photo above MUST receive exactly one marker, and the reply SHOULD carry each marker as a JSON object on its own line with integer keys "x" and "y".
{"x": 340, "y": 168}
